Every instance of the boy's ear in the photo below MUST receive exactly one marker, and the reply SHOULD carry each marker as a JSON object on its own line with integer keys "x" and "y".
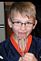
{"x": 9, "y": 23}
{"x": 35, "y": 24}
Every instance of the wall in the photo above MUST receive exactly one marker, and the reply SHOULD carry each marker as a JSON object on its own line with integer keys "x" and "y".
{"x": 2, "y": 22}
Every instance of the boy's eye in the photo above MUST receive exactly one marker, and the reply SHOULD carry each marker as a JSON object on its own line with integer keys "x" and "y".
{"x": 29, "y": 23}
{"x": 17, "y": 22}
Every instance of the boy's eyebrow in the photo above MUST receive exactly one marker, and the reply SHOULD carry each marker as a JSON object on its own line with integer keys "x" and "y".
{"x": 21, "y": 22}
{"x": 20, "y": 19}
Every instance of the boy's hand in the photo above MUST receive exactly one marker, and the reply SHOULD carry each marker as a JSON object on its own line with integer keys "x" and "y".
{"x": 28, "y": 57}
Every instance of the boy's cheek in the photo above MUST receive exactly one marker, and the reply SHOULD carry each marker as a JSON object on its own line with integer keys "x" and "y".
{"x": 15, "y": 28}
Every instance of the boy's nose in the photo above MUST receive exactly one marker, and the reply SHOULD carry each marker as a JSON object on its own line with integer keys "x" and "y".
{"x": 23, "y": 27}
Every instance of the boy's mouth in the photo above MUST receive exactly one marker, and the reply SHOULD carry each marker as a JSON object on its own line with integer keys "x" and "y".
{"x": 22, "y": 34}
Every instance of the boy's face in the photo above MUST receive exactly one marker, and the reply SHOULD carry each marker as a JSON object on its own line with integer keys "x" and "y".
{"x": 21, "y": 25}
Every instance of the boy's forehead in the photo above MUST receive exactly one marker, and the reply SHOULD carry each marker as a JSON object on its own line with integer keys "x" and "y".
{"x": 19, "y": 15}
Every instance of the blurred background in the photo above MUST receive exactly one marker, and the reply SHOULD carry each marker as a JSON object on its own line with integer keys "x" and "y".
{"x": 5, "y": 31}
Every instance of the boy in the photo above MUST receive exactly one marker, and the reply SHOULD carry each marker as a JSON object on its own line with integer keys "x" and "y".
{"x": 21, "y": 46}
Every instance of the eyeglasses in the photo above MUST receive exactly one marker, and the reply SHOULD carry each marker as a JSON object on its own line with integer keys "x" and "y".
{"x": 18, "y": 23}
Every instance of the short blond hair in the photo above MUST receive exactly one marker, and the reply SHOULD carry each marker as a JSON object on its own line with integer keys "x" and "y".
{"x": 27, "y": 7}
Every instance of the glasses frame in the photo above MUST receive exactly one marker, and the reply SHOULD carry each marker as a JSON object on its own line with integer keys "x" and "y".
{"x": 29, "y": 23}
